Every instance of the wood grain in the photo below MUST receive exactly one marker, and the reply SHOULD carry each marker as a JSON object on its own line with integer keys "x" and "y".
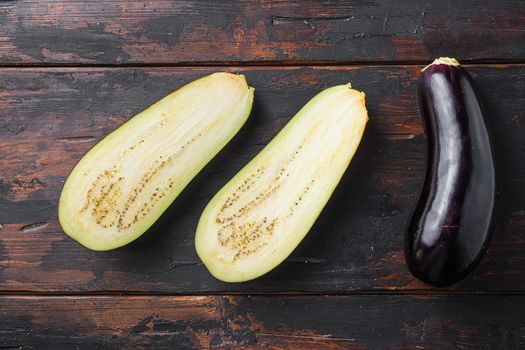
{"x": 174, "y": 32}
{"x": 228, "y": 322}
{"x": 50, "y": 117}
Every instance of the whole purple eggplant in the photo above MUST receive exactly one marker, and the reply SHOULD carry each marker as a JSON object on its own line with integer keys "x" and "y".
{"x": 450, "y": 227}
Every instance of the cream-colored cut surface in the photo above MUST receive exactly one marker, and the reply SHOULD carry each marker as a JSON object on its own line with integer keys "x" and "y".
{"x": 124, "y": 183}
{"x": 256, "y": 220}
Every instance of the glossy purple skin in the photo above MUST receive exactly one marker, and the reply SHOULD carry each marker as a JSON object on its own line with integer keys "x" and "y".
{"x": 450, "y": 227}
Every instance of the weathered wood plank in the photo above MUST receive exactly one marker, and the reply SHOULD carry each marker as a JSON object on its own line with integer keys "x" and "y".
{"x": 50, "y": 117}
{"x": 165, "y": 31}
{"x": 226, "y": 322}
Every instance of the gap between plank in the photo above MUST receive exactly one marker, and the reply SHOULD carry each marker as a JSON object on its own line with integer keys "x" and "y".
{"x": 409, "y": 292}
{"x": 248, "y": 64}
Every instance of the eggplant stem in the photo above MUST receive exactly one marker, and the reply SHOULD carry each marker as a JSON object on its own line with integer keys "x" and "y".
{"x": 443, "y": 60}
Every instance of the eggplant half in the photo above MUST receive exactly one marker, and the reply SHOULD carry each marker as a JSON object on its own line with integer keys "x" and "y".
{"x": 450, "y": 227}
{"x": 127, "y": 180}
{"x": 258, "y": 218}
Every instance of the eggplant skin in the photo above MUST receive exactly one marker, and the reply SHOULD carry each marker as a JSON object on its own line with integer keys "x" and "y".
{"x": 450, "y": 227}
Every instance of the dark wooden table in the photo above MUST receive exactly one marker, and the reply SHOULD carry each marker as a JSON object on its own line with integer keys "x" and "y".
{"x": 73, "y": 70}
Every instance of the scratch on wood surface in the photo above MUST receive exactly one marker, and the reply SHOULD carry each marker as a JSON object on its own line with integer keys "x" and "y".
{"x": 307, "y": 336}
{"x": 449, "y": 13}
{"x": 33, "y": 227}
{"x": 398, "y": 136}
{"x": 307, "y": 260}
{"x": 385, "y": 21}
{"x": 76, "y": 139}
{"x": 307, "y": 20}
{"x": 420, "y": 21}
{"x": 174, "y": 265}
{"x": 270, "y": 346}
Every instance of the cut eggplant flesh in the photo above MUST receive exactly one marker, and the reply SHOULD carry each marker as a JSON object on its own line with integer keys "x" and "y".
{"x": 257, "y": 219}
{"x": 126, "y": 181}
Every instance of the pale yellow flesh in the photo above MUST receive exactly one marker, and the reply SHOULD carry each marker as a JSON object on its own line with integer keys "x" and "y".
{"x": 258, "y": 218}
{"x": 124, "y": 183}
